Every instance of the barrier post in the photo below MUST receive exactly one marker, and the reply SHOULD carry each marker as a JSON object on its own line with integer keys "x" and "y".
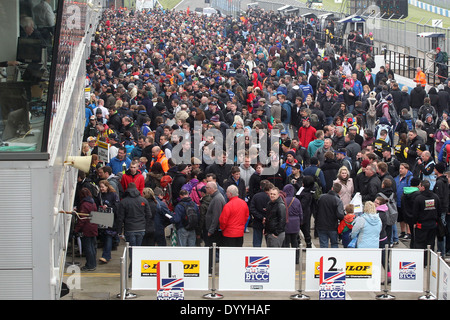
{"x": 213, "y": 294}
{"x": 428, "y": 295}
{"x": 386, "y": 295}
{"x": 124, "y": 275}
{"x": 438, "y": 272}
{"x": 300, "y": 295}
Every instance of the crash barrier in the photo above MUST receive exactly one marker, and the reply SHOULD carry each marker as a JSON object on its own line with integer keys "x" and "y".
{"x": 275, "y": 269}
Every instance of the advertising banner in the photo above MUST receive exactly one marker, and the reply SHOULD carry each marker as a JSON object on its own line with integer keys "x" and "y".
{"x": 444, "y": 285}
{"x": 362, "y": 267}
{"x": 271, "y": 269}
{"x": 434, "y": 265}
{"x": 145, "y": 266}
{"x": 170, "y": 282}
{"x": 407, "y": 273}
{"x": 332, "y": 279}
{"x": 103, "y": 151}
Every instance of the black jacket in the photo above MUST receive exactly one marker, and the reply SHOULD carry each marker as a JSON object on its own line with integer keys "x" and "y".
{"x": 426, "y": 210}
{"x": 240, "y": 184}
{"x": 275, "y": 217}
{"x": 330, "y": 210}
{"x": 371, "y": 188}
{"x": 441, "y": 189}
{"x": 407, "y": 205}
{"x": 257, "y": 208}
{"x": 133, "y": 212}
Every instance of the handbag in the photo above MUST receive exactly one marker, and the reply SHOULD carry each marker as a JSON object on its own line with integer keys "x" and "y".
{"x": 352, "y": 243}
{"x": 442, "y": 230}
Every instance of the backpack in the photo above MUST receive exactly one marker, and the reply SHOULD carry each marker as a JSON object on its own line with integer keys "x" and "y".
{"x": 384, "y": 127}
{"x": 318, "y": 191}
{"x": 392, "y": 213}
{"x": 409, "y": 124}
{"x": 284, "y": 114}
{"x": 371, "y": 112}
{"x": 446, "y": 154}
{"x": 314, "y": 120}
{"x": 166, "y": 185}
{"x": 445, "y": 57}
{"x": 190, "y": 219}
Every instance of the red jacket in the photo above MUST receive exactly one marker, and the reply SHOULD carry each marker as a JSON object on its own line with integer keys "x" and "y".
{"x": 233, "y": 218}
{"x": 84, "y": 225}
{"x": 138, "y": 179}
{"x": 306, "y": 135}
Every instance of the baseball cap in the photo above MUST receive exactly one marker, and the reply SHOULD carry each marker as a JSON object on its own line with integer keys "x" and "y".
{"x": 421, "y": 147}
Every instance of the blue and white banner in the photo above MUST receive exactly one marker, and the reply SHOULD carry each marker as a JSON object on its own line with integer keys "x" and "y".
{"x": 407, "y": 270}
{"x": 261, "y": 269}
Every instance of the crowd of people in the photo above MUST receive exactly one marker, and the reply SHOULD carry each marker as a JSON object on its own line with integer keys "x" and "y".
{"x": 337, "y": 131}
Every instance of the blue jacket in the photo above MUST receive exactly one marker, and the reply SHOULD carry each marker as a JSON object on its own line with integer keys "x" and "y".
{"x": 311, "y": 171}
{"x": 287, "y": 105}
{"x": 367, "y": 228}
{"x": 441, "y": 153}
{"x": 402, "y": 183}
{"x": 357, "y": 87}
{"x": 179, "y": 212}
{"x": 116, "y": 164}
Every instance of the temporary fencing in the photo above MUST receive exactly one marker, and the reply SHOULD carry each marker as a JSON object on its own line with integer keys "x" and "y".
{"x": 275, "y": 269}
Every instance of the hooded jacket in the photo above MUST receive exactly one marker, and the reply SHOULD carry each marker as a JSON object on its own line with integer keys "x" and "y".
{"x": 407, "y": 203}
{"x": 367, "y": 229}
{"x": 314, "y": 146}
{"x": 295, "y": 212}
{"x": 133, "y": 212}
{"x": 330, "y": 210}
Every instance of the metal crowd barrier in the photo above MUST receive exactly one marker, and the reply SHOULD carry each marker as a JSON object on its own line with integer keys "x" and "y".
{"x": 436, "y": 290}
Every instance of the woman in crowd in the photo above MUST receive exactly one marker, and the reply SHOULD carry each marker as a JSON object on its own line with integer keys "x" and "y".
{"x": 108, "y": 202}
{"x": 87, "y": 230}
{"x": 344, "y": 179}
{"x": 367, "y": 227}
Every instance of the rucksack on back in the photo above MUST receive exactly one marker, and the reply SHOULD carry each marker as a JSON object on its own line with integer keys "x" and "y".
{"x": 190, "y": 220}
{"x": 284, "y": 114}
{"x": 392, "y": 213}
{"x": 409, "y": 123}
{"x": 318, "y": 191}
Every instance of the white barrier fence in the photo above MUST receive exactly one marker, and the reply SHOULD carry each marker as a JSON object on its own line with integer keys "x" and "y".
{"x": 274, "y": 269}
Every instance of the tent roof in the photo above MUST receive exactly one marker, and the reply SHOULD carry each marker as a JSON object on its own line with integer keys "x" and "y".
{"x": 430, "y": 35}
{"x": 352, "y": 18}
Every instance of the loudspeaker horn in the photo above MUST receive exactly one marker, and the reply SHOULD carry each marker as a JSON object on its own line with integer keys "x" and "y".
{"x": 82, "y": 163}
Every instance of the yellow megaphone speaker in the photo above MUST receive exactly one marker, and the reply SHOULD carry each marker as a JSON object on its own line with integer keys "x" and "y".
{"x": 82, "y": 163}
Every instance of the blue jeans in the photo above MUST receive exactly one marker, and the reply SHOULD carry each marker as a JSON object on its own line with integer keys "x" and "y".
{"x": 324, "y": 236}
{"x": 257, "y": 237}
{"x": 89, "y": 245}
{"x": 186, "y": 238}
{"x": 107, "y": 247}
{"x": 134, "y": 238}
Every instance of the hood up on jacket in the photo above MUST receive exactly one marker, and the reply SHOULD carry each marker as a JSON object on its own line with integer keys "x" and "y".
{"x": 289, "y": 190}
{"x": 371, "y": 219}
{"x": 132, "y": 191}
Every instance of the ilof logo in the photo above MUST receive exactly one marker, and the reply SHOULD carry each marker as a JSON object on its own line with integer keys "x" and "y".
{"x": 353, "y": 270}
{"x": 257, "y": 269}
{"x": 191, "y": 268}
{"x": 407, "y": 271}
